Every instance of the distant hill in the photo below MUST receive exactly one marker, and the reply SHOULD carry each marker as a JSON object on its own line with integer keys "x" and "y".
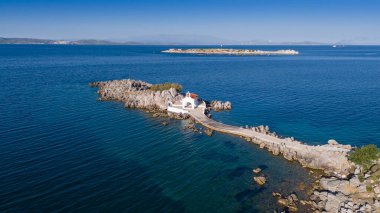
{"x": 25, "y": 41}
{"x": 62, "y": 42}
{"x": 155, "y": 40}
{"x": 102, "y": 42}
{"x": 264, "y": 42}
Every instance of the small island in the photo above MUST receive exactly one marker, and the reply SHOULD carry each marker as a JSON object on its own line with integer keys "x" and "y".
{"x": 222, "y": 51}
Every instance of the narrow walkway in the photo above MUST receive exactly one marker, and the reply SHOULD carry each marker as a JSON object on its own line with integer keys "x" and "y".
{"x": 331, "y": 158}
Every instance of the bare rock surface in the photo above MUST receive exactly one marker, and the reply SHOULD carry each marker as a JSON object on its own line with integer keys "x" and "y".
{"x": 219, "y": 105}
{"x": 358, "y": 193}
{"x": 290, "y": 202}
{"x": 136, "y": 94}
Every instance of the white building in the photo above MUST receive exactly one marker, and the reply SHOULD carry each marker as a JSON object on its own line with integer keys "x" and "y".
{"x": 189, "y": 102}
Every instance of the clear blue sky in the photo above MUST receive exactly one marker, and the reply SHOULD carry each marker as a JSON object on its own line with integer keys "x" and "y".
{"x": 239, "y": 20}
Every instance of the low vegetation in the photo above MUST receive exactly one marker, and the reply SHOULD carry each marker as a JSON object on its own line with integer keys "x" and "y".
{"x": 166, "y": 86}
{"x": 369, "y": 188}
{"x": 365, "y": 155}
{"x": 376, "y": 176}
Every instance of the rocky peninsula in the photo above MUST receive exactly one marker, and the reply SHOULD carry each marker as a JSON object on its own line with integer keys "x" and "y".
{"x": 143, "y": 95}
{"x": 222, "y": 51}
{"x": 345, "y": 185}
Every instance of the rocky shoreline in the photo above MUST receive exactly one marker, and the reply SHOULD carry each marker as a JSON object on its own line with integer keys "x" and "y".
{"x": 221, "y": 51}
{"x": 355, "y": 190}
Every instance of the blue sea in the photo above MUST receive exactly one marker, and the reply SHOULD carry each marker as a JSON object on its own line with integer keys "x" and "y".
{"x": 61, "y": 150}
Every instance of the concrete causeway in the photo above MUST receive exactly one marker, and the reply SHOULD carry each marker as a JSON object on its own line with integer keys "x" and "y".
{"x": 332, "y": 158}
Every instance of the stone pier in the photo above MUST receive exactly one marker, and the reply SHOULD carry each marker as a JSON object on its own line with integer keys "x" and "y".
{"x": 331, "y": 157}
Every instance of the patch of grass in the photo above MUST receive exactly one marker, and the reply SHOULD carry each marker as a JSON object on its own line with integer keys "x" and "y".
{"x": 365, "y": 155}
{"x": 369, "y": 188}
{"x": 376, "y": 176}
{"x": 166, "y": 86}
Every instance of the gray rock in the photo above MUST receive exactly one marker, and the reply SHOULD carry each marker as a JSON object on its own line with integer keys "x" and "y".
{"x": 357, "y": 171}
{"x": 375, "y": 168}
{"x": 376, "y": 189}
{"x": 136, "y": 94}
{"x": 334, "y": 201}
{"x": 323, "y": 196}
{"x": 219, "y": 105}
{"x": 293, "y": 197}
{"x": 354, "y": 181}
{"x": 257, "y": 170}
{"x": 335, "y": 185}
{"x": 377, "y": 204}
{"x": 261, "y": 180}
{"x": 332, "y": 142}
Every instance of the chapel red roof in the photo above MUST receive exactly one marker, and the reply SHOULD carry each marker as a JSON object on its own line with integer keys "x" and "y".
{"x": 193, "y": 96}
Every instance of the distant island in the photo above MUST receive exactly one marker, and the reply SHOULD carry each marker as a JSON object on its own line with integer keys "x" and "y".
{"x": 221, "y": 51}
{"x": 62, "y": 42}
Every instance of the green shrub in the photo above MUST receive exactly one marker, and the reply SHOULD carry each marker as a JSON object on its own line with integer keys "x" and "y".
{"x": 365, "y": 155}
{"x": 166, "y": 86}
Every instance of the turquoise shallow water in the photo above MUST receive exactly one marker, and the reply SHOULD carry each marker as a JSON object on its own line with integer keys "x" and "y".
{"x": 61, "y": 150}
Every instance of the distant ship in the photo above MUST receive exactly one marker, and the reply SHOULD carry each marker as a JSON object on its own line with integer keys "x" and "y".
{"x": 337, "y": 45}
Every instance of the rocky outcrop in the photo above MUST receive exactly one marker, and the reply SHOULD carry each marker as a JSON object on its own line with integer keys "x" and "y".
{"x": 221, "y": 51}
{"x": 330, "y": 157}
{"x": 262, "y": 129}
{"x": 289, "y": 203}
{"x": 358, "y": 193}
{"x": 208, "y": 132}
{"x": 178, "y": 116}
{"x": 261, "y": 180}
{"x": 136, "y": 94}
{"x": 256, "y": 171}
{"x": 219, "y": 105}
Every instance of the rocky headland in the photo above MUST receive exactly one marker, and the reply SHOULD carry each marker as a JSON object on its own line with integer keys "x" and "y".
{"x": 136, "y": 94}
{"x": 344, "y": 186}
{"x": 143, "y": 95}
{"x": 222, "y": 51}
{"x": 359, "y": 192}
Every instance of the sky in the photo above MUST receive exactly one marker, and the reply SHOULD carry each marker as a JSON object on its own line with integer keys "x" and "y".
{"x": 350, "y": 21}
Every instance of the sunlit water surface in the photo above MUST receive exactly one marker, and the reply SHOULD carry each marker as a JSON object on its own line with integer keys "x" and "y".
{"x": 61, "y": 150}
